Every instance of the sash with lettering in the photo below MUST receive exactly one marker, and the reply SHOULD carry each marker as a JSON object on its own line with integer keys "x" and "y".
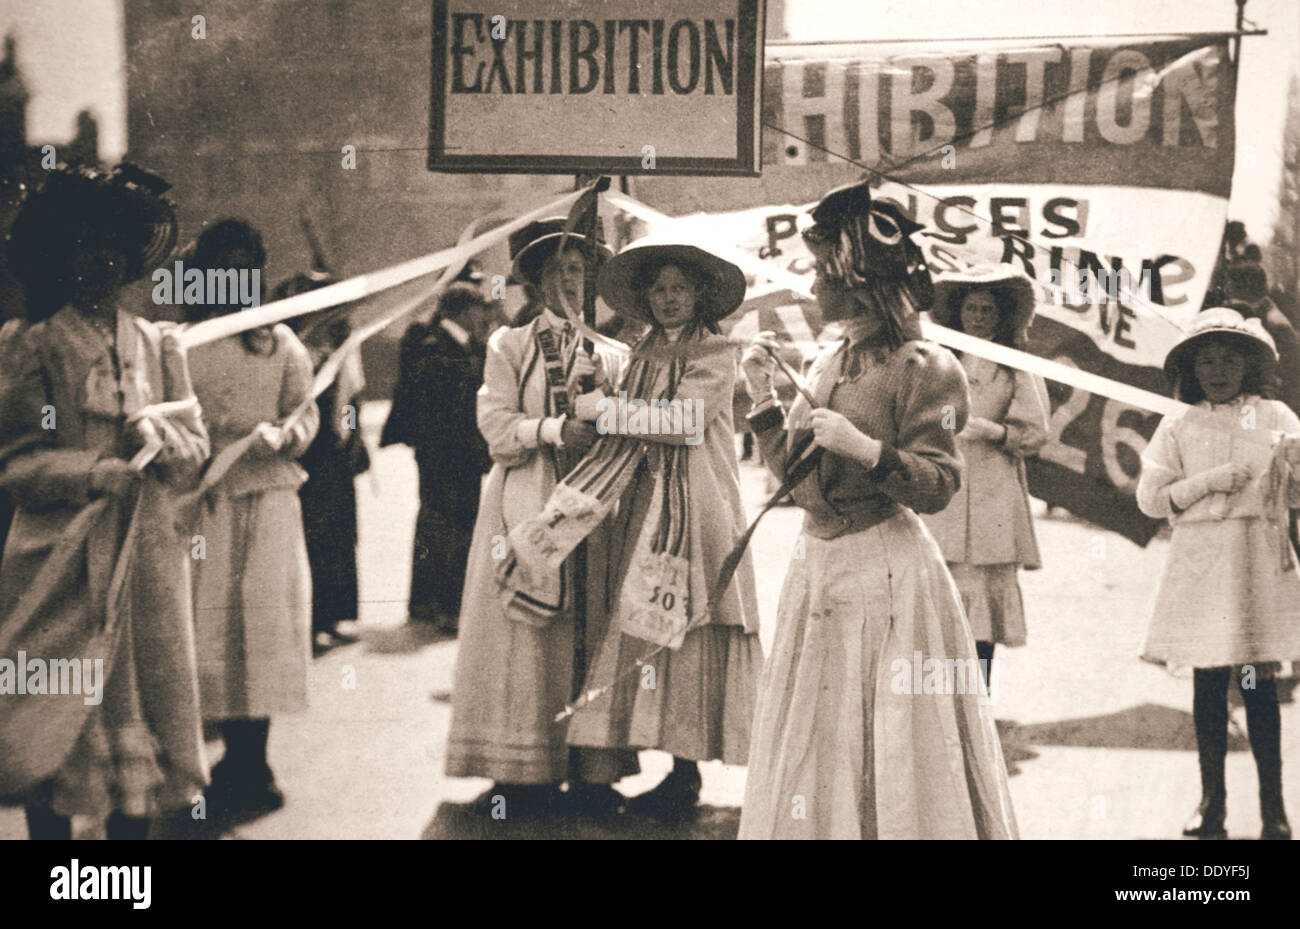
{"x": 654, "y": 600}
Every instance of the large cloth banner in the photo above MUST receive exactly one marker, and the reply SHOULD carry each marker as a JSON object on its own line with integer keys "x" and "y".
{"x": 1101, "y": 170}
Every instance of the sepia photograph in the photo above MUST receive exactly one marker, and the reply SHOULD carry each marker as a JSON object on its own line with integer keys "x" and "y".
{"x": 587, "y": 420}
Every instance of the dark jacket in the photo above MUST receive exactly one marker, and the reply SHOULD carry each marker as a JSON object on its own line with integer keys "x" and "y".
{"x": 434, "y": 401}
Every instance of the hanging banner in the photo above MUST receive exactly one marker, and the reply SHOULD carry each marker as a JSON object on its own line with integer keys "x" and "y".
{"x": 1101, "y": 170}
{"x": 619, "y": 87}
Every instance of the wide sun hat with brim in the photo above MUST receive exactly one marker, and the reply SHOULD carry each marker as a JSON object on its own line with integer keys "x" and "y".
{"x": 125, "y": 206}
{"x": 1247, "y": 335}
{"x": 946, "y": 311}
{"x": 532, "y": 257}
{"x": 617, "y": 282}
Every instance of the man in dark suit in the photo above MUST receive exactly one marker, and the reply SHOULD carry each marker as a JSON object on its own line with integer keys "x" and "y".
{"x": 440, "y": 372}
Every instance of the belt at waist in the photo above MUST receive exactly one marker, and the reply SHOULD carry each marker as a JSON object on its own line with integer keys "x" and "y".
{"x": 825, "y": 522}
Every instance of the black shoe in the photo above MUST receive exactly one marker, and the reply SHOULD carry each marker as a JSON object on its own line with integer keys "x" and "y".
{"x": 1275, "y": 824}
{"x": 598, "y": 800}
{"x": 1276, "y": 829}
{"x": 344, "y": 638}
{"x": 234, "y": 792}
{"x": 674, "y": 800}
{"x": 1207, "y": 821}
{"x": 321, "y": 642}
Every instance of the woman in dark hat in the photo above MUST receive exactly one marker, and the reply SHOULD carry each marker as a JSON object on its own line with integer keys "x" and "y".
{"x": 252, "y": 588}
{"x": 986, "y": 532}
{"x": 852, "y": 739}
{"x": 514, "y": 670}
{"x": 676, "y": 487}
{"x": 93, "y": 570}
{"x": 1228, "y": 605}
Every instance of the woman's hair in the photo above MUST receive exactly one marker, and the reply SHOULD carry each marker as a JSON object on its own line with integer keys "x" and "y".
{"x": 648, "y": 272}
{"x": 219, "y": 240}
{"x": 1258, "y": 378}
{"x": 1004, "y": 332}
{"x": 212, "y": 252}
{"x": 458, "y": 298}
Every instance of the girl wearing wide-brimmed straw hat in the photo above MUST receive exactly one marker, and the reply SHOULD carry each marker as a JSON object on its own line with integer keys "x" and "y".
{"x": 1224, "y": 473}
{"x": 677, "y": 487}
{"x": 986, "y": 532}
{"x": 252, "y": 588}
{"x": 871, "y": 718}
{"x": 514, "y": 671}
{"x": 94, "y": 574}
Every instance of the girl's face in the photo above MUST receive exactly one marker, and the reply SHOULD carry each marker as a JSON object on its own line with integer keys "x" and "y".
{"x": 672, "y": 298}
{"x": 1219, "y": 369}
{"x": 979, "y": 315}
{"x": 564, "y": 274}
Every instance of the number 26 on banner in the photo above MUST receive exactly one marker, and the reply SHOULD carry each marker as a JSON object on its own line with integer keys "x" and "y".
{"x": 1102, "y": 433}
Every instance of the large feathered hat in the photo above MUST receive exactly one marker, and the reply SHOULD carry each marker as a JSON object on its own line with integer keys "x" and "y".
{"x": 77, "y": 208}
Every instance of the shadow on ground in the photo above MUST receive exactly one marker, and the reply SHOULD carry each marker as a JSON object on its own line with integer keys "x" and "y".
{"x": 462, "y": 821}
{"x": 403, "y": 639}
{"x": 1149, "y": 725}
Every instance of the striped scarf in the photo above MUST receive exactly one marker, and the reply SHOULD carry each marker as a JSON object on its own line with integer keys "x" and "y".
{"x": 531, "y": 574}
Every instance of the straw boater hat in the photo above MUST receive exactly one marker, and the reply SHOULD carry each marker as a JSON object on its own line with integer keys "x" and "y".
{"x": 951, "y": 288}
{"x": 1246, "y": 335}
{"x": 545, "y": 239}
{"x": 617, "y": 282}
{"x": 123, "y": 207}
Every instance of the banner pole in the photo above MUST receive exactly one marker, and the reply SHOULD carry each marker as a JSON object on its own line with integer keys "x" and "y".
{"x": 1236, "y": 43}
{"x": 587, "y": 226}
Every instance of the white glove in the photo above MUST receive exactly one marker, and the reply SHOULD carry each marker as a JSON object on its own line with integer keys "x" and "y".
{"x": 1226, "y": 478}
{"x": 758, "y": 366}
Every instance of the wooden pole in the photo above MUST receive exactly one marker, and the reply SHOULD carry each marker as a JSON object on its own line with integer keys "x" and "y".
{"x": 586, "y": 226}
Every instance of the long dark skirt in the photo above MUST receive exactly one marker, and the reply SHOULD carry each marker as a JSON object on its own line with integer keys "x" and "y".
{"x": 443, "y": 529}
{"x": 329, "y": 517}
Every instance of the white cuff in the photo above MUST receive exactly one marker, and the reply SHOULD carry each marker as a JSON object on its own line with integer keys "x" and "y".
{"x": 526, "y": 432}
{"x": 550, "y": 431}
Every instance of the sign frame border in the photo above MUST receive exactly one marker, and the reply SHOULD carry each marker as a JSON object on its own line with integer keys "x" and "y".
{"x": 751, "y": 25}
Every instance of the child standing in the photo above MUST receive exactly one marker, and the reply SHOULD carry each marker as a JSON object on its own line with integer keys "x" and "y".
{"x": 1228, "y": 604}
{"x": 252, "y": 588}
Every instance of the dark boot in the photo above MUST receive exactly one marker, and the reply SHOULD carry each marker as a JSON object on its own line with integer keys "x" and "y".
{"x": 1210, "y": 712}
{"x": 120, "y": 826}
{"x": 242, "y": 782}
{"x": 675, "y": 799}
{"x": 1264, "y": 723}
{"x": 46, "y": 825}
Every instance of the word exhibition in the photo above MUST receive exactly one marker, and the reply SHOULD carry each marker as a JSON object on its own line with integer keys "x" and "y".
{"x": 491, "y": 55}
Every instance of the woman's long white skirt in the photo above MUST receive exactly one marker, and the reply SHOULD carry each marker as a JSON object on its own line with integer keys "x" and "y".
{"x": 871, "y": 719}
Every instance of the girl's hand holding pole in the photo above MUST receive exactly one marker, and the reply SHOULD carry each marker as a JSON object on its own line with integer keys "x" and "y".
{"x": 836, "y": 434}
{"x": 759, "y": 367}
